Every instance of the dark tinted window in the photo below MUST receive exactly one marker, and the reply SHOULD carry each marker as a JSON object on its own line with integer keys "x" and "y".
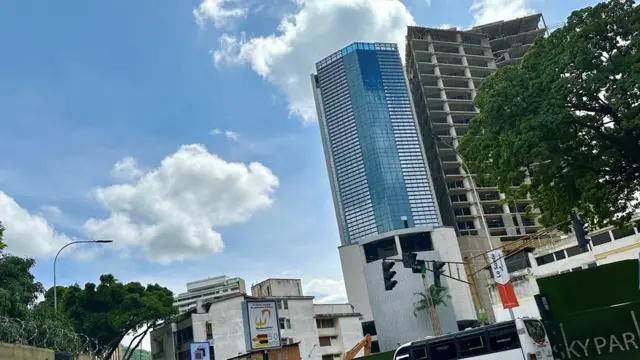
{"x": 401, "y": 352}
{"x": 546, "y": 259}
{"x": 560, "y": 255}
{"x": 380, "y": 249}
{"x": 600, "y": 239}
{"x": 419, "y": 352}
{"x": 443, "y": 350}
{"x": 416, "y": 242}
{"x": 576, "y": 250}
{"x": 472, "y": 346}
{"x": 535, "y": 329}
{"x": 369, "y": 327}
{"x": 518, "y": 261}
{"x": 617, "y": 234}
{"x": 504, "y": 340}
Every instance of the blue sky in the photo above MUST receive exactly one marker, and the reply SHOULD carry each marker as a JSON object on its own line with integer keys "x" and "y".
{"x": 132, "y": 120}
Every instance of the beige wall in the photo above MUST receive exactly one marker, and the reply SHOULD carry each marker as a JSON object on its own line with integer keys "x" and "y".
{"x": 20, "y": 352}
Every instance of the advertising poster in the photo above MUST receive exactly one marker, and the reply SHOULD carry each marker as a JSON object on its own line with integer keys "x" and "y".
{"x": 503, "y": 281}
{"x": 199, "y": 351}
{"x": 264, "y": 327}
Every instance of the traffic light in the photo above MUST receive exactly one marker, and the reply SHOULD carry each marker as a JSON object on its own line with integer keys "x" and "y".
{"x": 388, "y": 274}
{"x": 409, "y": 259}
{"x": 437, "y": 271}
{"x": 580, "y": 230}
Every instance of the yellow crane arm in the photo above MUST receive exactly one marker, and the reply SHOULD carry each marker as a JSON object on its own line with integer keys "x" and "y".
{"x": 364, "y": 343}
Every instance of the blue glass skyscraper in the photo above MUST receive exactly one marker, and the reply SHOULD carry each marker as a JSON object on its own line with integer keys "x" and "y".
{"x": 376, "y": 164}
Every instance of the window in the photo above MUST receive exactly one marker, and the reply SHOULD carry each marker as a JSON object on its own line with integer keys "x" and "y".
{"x": 545, "y": 259}
{"x": 324, "y": 323}
{"x": 560, "y": 255}
{"x": 284, "y": 323}
{"x": 209, "y": 330}
{"x": 185, "y": 335}
{"x": 419, "y": 352}
{"x": 518, "y": 261}
{"x": 617, "y": 234}
{"x": 458, "y": 198}
{"x": 592, "y": 265}
{"x": 443, "y": 350}
{"x": 327, "y": 357}
{"x": 325, "y": 341}
{"x": 504, "y": 340}
{"x": 466, "y": 225}
{"x": 380, "y": 249}
{"x": 283, "y": 304}
{"x": 287, "y": 341}
{"x": 600, "y": 238}
{"x": 576, "y": 250}
{"x": 535, "y": 330}
{"x": 416, "y": 242}
{"x": 577, "y": 268}
{"x": 473, "y": 346}
{"x": 368, "y": 327}
{"x": 462, "y": 211}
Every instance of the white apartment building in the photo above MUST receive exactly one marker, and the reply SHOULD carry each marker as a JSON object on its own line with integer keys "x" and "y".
{"x": 388, "y": 315}
{"x": 607, "y": 246}
{"x": 208, "y": 289}
{"x": 322, "y": 332}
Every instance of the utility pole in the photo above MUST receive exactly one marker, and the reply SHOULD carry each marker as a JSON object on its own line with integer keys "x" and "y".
{"x": 474, "y": 290}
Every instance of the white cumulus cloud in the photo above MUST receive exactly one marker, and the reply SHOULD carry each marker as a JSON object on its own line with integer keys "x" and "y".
{"x": 51, "y": 211}
{"x": 326, "y": 291}
{"x": 220, "y": 12}
{"x": 27, "y": 234}
{"x": 315, "y": 30}
{"x": 126, "y": 170}
{"x": 171, "y": 213}
{"x": 231, "y": 135}
{"x": 488, "y": 11}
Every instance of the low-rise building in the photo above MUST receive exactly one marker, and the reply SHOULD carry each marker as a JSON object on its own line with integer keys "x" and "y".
{"x": 208, "y": 289}
{"x": 547, "y": 258}
{"x": 322, "y": 332}
{"x": 389, "y": 315}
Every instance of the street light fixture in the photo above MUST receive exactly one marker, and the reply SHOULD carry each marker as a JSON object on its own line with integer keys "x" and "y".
{"x": 55, "y": 288}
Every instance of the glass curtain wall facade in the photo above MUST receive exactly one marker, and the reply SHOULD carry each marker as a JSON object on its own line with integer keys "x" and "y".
{"x": 377, "y": 170}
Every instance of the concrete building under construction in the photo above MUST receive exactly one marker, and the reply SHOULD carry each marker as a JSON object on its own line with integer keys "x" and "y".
{"x": 444, "y": 69}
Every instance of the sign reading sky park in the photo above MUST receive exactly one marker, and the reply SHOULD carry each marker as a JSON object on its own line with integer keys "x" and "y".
{"x": 264, "y": 328}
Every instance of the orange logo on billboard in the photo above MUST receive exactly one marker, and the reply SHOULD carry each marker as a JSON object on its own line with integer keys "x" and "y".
{"x": 262, "y": 320}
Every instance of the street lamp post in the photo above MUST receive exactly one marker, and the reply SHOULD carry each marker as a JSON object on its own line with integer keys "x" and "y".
{"x": 55, "y": 290}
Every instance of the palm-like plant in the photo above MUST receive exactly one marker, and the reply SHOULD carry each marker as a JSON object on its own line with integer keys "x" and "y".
{"x": 439, "y": 296}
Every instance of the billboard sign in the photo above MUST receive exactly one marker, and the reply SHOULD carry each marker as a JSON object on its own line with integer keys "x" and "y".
{"x": 199, "y": 351}
{"x": 264, "y": 327}
{"x": 502, "y": 279}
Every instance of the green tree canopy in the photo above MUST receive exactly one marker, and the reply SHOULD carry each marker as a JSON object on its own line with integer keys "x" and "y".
{"x": 438, "y": 296}
{"x": 2, "y": 244}
{"x": 110, "y": 310}
{"x": 570, "y": 113}
{"x": 19, "y": 289}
